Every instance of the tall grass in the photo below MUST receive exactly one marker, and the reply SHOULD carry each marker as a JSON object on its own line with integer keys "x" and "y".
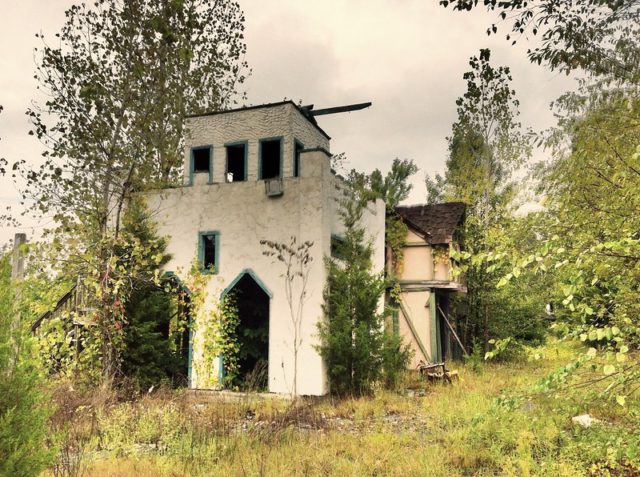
{"x": 448, "y": 430}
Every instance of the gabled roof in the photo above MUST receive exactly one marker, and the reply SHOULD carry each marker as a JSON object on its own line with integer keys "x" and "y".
{"x": 437, "y": 222}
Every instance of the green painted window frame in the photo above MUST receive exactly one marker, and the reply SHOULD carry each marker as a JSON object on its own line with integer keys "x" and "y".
{"x": 216, "y": 258}
{"x": 246, "y": 158}
{"x": 267, "y": 139}
{"x": 192, "y": 164}
{"x": 296, "y": 157}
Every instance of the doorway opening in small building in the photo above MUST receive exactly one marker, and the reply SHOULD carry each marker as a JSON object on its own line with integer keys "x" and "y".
{"x": 448, "y": 347}
{"x": 252, "y": 332}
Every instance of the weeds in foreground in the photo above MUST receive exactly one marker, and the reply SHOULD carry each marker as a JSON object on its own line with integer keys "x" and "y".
{"x": 461, "y": 429}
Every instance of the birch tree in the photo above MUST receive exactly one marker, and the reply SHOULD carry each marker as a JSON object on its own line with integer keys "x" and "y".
{"x": 119, "y": 78}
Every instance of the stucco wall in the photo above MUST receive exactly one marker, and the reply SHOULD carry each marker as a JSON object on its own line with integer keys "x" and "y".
{"x": 243, "y": 215}
{"x": 417, "y": 306}
{"x": 418, "y": 259}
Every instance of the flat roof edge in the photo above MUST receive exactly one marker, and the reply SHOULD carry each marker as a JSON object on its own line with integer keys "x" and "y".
{"x": 261, "y": 106}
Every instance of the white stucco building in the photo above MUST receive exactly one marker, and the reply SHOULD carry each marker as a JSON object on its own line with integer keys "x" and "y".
{"x": 252, "y": 174}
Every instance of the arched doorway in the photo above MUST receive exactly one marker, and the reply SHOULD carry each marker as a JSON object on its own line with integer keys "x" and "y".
{"x": 251, "y": 299}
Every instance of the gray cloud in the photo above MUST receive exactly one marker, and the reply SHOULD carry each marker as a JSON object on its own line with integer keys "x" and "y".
{"x": 407, "y": 56}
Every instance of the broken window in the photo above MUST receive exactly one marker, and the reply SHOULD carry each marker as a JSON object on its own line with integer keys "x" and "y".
{"x": 337, "y": 247}
{"x": 201, "y": 159}
{"x": 297, "y": 149}
{"x": 270, "y": 158}
{"x": 236, "y": 162}
{"x": 208, "y": 251}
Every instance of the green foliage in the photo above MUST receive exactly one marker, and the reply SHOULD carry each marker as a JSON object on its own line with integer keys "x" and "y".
{"x": 23, "y": 405}
{"x": 506, "y": 349}
{"x": 596, "y": 36}
{"x": 480, "y": 430}
{"x": 486, "y": 147}
{"x": 393, "y": 189}
{"x": 589, "y": 232}
{"x": 155, "y": 309}
{"x": 226, "y": 338}
{"x": 119, "y": 81}
{"x": 355, "y": 346}
{"x": 94, "y": 349}
{"x": 154, "y": 340}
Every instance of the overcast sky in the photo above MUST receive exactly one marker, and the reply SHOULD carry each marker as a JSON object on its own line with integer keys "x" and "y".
{"x": 405, "y": 56}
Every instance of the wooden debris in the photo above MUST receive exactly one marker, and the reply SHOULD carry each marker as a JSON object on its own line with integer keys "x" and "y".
{"x": 437, "y": 372}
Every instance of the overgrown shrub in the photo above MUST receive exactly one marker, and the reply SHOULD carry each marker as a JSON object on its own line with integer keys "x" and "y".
{"x": 23, "y": 409}
{"x": 153, "y": 350}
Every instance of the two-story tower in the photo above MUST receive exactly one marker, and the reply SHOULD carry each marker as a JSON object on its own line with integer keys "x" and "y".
{"x": 252, "y": 174}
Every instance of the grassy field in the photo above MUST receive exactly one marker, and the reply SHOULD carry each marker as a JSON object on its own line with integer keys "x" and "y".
{"x": 423, "y": 430}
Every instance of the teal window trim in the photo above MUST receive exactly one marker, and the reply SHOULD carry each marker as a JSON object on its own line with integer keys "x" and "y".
{"x": 216, "y": 259}
{"x": 192, "y": 165}
{"x": 252, "y": 274}
{"x": 246, "y": 157}
{"x": 221, "y": 373}
{"x": 296, "y": 157}
{"x": 266, "y": 139}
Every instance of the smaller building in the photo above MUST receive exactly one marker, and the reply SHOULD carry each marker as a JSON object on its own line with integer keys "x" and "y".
{"x": 427, "y": 281}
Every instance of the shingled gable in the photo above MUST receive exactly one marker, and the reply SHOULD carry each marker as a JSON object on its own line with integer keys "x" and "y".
{"x": 437, "y": 222}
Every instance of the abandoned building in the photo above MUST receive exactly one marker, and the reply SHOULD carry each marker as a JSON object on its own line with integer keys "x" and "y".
{"x": 252, "y": 174}
{"x": 427, "y": 281}
{"x": 264, "y": 173}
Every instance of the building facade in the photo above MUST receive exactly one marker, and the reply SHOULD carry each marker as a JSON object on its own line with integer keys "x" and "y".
{"x": 428, "y": 283}
{"x": 255, "y": 174}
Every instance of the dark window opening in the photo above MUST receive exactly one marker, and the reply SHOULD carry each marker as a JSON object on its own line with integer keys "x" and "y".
{"x": 337, "y": 247}
{"x": 298, "y": 147}
{"x": 208, "y": 252}
{"x": 270, "y": 157}
{"x": 236, "y": 170}
{"x": 201, "y": 159}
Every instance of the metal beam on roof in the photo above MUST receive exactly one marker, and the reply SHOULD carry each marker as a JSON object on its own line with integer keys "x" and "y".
{"x": 339, "y": 109}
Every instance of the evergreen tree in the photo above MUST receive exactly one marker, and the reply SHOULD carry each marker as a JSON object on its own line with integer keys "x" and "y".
{"x": 357, "y": 349}
{"x": 152, "y": 350}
